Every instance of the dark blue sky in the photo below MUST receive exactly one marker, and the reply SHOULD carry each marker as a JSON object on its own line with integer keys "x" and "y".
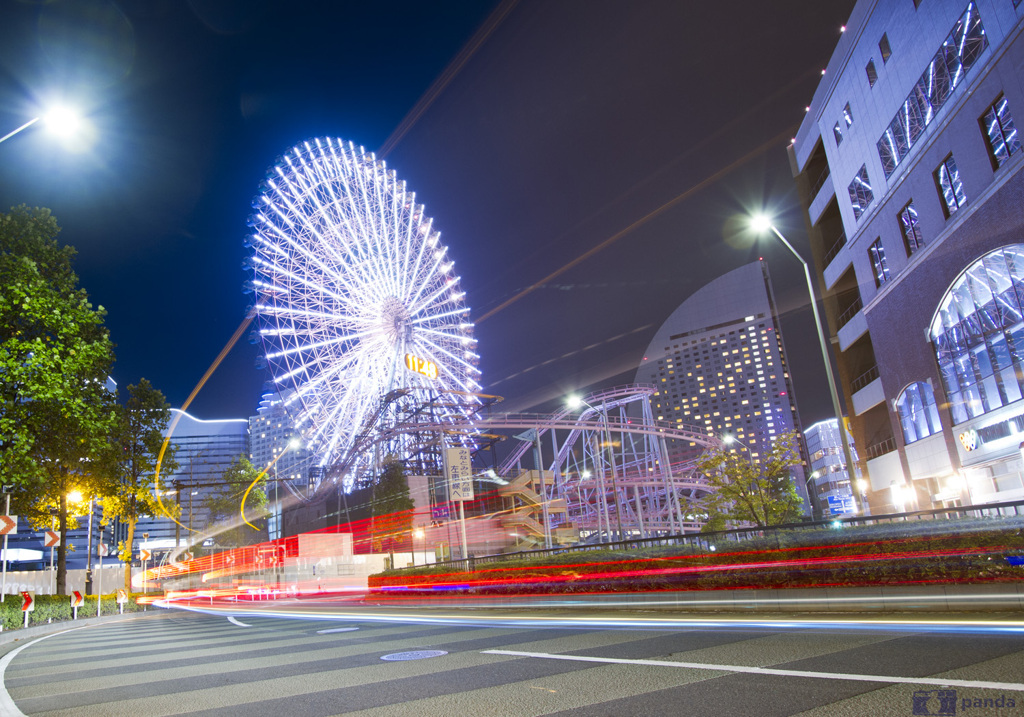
{"x": 570, "y": 122}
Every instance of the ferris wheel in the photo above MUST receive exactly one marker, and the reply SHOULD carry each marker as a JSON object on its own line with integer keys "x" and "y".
{"x": 356, "y": 296}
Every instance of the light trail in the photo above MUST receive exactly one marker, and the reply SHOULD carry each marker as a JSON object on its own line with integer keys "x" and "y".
{"x": 498, "y": 618}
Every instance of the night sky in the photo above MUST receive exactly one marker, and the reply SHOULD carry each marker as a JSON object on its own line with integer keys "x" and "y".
{"x": 559, "y": 125}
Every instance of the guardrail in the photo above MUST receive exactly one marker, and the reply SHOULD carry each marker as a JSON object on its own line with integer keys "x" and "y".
{"x": 705, "y": 540}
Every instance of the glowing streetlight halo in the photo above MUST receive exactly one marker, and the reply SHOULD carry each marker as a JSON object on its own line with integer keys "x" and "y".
{"x": 761, "y": 223}
{"x": 62, "y": 121}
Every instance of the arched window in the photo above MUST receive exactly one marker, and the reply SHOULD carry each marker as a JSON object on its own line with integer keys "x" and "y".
{"x": 918, "y": 415}
{"x": 978, "y": 335}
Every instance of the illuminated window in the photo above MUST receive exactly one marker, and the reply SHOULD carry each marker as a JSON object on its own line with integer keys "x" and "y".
{"x": 978, "y": 335}
{"x": 944, "y": 73}
{"x": 951, "y": 188}
{"x": 848, "y": 115}
{"x": 860, "y": 192}
{"x": 877, "y": 254}
{"x": 837, "y": 132}
{"x": 909, "y": 228}
{"x": 1000, "y": 132}
{"x": 918, "y": 414}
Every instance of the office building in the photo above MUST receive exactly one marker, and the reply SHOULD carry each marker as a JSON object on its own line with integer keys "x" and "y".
{"x": 204, "y": 451}
{"x": 908, "y": 163}
{"x": 829, "y": 481}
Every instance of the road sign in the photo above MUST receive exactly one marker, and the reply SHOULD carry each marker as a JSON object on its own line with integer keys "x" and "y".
{"x": 460, "y": 474}
{"x": 8, "y": 524}
{"x": 102, "y": 550}
{"x": 840, "y": 505}
{"x": 440, "y": 512}
{"x": 52, "y": 539}
{"x": 27, "y": 603}
{"x": 144, "y": 554}
{"x": 77, "y": 599}
{"x": 122, "y": 595}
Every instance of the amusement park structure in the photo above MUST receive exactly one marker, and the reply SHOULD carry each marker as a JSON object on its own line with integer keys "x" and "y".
{"x": 609, "y": 472}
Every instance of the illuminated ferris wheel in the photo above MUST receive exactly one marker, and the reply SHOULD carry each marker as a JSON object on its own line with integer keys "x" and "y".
{"x": 355, "y": 294}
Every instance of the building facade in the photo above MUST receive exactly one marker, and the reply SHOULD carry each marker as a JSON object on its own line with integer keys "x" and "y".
{"x": 718, "y": 362}
{"x": 275, "y": 445}
{"x": 829, "y": 481}
{"x": 908, "y": 164}
{"x": 204, "y": 450}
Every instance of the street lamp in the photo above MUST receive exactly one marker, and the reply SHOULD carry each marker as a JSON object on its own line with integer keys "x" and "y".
{"x": 761, "y": 224}
{"x": 575, "y": 402}
{"x": 61, "y": 121}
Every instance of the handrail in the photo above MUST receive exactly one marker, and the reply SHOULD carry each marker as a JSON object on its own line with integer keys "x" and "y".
{"x": 850, "y": 312}
{"x": 833, "y": 252}
{"x": 864, "y": 379}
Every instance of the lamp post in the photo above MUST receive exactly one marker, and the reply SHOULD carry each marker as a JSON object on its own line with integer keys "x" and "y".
{"x": 762, "y": 224}
{"x": 576, "y": 402}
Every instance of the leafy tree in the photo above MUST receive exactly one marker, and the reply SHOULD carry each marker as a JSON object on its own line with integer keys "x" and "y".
{"x": 748, "y": 491}
{"x": 391, "y": 508}
{"x": 55, "y": 356}
{"x": 225, "y": 502}
{"x": 135, "y": 443}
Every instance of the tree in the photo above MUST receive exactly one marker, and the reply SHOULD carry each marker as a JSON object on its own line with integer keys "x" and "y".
{"x": 135, "y": 444}
{"x": 55, "y": 356}
{"x": 748, "y": 491}
{"x": 390, "y": 508}
{"x": 225, "y": 502}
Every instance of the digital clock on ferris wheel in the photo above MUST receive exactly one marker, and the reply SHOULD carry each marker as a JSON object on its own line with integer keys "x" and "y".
{"x": 421, "y": 365}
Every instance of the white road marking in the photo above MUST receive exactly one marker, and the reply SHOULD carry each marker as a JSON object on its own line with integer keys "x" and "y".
{"x": 1009, "y": 686}
{"x": 336, "y": 629}
{"x": 232, "y": 619}
{"x": 7, "y": 706}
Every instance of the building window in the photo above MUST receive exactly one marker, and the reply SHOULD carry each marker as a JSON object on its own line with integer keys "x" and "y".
{"x": 910, "y": 229}
{"x": 872, "y": 73}
{"x": 918, "y": 415}
{"x": 945, "y": 72}
{"x": 1000, "y": 132}
{"x": 838, "y": 132}
{"x": 860, "y": 192}
{"x": 951, "y": 189}
{"x": 978, "y": 335}
{"x": 877, "y": 254}
{"x": 848, "y": 115}
{"x": 884, "y": 49}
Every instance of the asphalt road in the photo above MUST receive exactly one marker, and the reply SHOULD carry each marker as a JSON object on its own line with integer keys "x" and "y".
{"x": 181, "y": 663}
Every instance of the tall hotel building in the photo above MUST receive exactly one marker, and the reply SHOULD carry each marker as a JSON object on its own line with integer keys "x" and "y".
{"x": 275, "y": 445}
{"x": 908, "y": 163}
{"x": 718, "y": 362}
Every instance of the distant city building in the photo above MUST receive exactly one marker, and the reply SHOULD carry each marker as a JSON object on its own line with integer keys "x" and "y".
{"x": 205, "y": 449}
{"x": 276, "y": 445}
{"x": 908, "y": 164}
{"x": 829, "y": 480}
{"x": 718, "y": 362}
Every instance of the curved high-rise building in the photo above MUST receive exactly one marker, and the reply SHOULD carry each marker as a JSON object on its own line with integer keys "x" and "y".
{"x": 718, "y": 362}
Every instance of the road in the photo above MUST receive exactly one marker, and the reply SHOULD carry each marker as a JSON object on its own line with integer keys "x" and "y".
{"x": 246, "y": 663}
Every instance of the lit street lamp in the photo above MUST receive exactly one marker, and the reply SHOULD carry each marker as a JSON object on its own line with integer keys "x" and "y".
{"x": 761, "y": 224}
{"x": 58, "y": 120}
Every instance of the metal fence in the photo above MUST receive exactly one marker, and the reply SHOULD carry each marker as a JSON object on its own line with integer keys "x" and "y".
{"x": 705, "y": 541}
